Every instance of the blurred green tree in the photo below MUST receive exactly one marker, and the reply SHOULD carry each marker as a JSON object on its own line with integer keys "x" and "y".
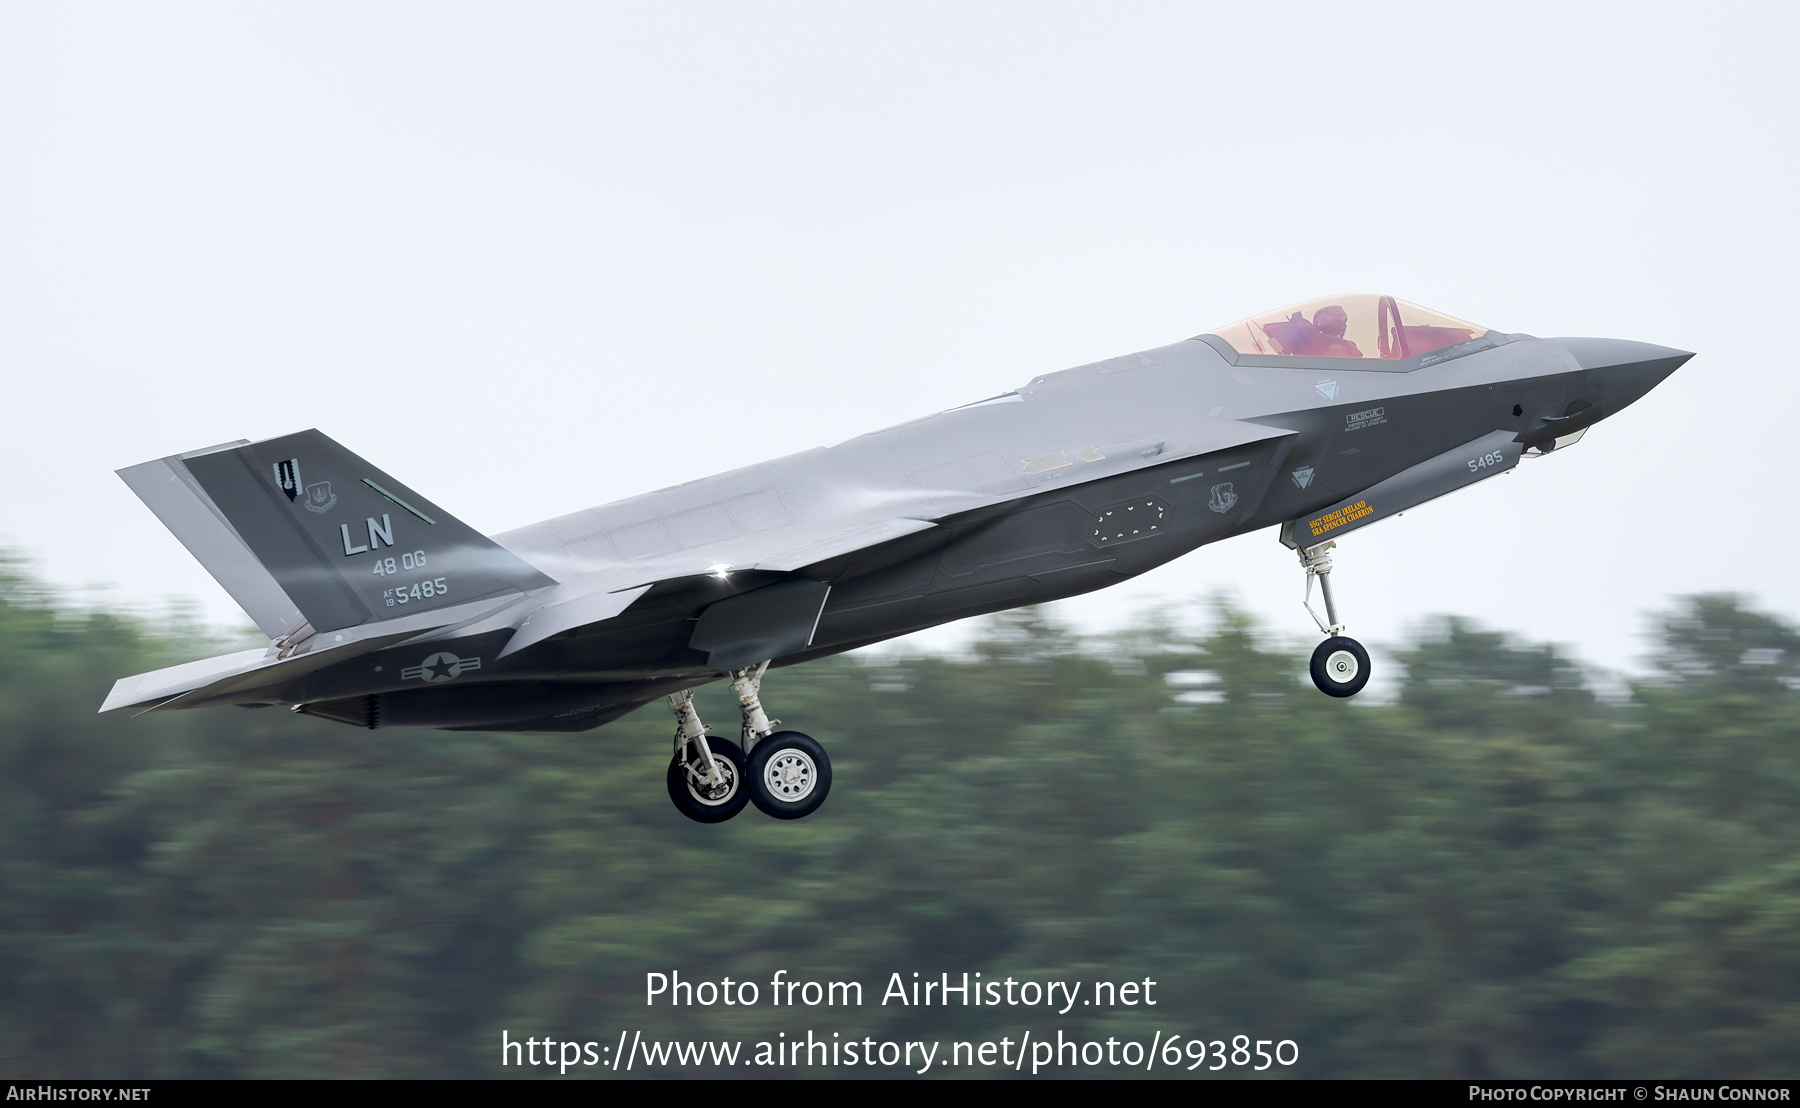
{"x": 1496, "y": 872}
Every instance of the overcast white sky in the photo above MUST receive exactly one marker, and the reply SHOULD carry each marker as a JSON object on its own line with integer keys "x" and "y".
{"x": 534, "y": 257}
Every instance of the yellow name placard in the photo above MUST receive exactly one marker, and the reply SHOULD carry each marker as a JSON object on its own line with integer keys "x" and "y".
{"x": 1331, "y": 521}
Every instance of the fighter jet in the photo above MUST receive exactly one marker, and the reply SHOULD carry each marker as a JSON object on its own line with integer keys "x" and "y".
{"x": 1316, "y": 420}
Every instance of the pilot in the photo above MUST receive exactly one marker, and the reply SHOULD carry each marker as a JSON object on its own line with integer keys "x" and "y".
{"x": 1331, "y": 322}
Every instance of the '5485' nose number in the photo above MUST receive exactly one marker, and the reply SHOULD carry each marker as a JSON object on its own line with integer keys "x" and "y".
{"x": 1476, "y": 465}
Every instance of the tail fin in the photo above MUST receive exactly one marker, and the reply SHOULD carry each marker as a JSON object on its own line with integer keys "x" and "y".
{"x": 298, "y": 529}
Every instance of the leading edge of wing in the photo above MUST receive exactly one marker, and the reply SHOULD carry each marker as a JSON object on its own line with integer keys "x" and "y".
{"x": 697, "y": 563}
{"x": 597, "y": 604}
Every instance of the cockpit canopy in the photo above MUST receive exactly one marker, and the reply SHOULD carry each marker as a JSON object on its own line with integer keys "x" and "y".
{"x": 1360, "y": 325}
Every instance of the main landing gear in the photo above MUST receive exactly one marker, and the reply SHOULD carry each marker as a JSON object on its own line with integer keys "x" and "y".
{"x": 784, "y": 773}
{"x": 1340, "y": 665}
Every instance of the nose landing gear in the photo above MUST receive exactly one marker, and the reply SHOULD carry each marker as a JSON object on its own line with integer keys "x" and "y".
{"x": 1340, "y": 665}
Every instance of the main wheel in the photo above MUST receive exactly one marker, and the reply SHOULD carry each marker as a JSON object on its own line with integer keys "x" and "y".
{"x": 1340, "y": 666}
{"x": 709, "y": 804}
{"x": 790, "y": 775}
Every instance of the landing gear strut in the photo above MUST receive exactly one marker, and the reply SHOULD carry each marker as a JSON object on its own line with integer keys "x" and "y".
{"x": 1340, "y": 665}
{"x": 706, "y": 777}
{"x": 787, "y": 774}
{"x": 790, "y": 773}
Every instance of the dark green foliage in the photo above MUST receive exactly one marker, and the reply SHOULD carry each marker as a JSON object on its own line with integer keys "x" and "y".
{"x": 1498, "y": 874}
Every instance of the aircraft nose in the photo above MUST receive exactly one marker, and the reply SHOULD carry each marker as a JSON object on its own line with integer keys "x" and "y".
{"x": 1624, "y": 368}
{"x": 1619, "y": 353}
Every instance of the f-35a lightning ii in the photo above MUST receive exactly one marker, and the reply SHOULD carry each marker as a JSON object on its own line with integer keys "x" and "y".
{"x": 1317, "y": 419}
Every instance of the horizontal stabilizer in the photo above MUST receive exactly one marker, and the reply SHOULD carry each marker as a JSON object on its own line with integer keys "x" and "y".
{"x": 162, "y": 684}
{"x": 300, "y": 524}
{"x": 250, "y": 674}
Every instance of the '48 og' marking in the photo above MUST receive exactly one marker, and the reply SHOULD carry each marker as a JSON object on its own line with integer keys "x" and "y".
{"x": 414, "y": 560}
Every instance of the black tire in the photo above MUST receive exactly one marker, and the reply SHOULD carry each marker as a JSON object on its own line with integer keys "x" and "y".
{"x": 790, "y": 775}
{"x": 689, "y": 801}
{"x": 1340, "y": 666}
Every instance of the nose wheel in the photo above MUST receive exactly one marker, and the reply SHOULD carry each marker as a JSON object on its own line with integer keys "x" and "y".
{"x": 1340, "y": 665}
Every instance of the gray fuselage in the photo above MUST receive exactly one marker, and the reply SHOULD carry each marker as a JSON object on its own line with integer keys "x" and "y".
{"x": 1081, "y": 479}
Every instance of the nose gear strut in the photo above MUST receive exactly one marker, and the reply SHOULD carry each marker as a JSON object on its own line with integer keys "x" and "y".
{"x": 1340, "y": 665}
{"x": 1317, "y": 562}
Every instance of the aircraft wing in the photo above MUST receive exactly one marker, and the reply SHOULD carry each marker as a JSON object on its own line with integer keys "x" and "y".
{"x": 820, "y": 504}
{"x": 568, "y": 606}
{"x": 849, "y": 542}
{"x": 801, "y": 512}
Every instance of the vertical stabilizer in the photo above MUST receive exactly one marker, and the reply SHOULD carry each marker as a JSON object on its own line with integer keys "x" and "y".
{"x": 298, "y": 528}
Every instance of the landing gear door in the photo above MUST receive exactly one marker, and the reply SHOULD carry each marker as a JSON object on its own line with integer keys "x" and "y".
{"x": 771, "y": 622}
{"x": 1454, "y": 469}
